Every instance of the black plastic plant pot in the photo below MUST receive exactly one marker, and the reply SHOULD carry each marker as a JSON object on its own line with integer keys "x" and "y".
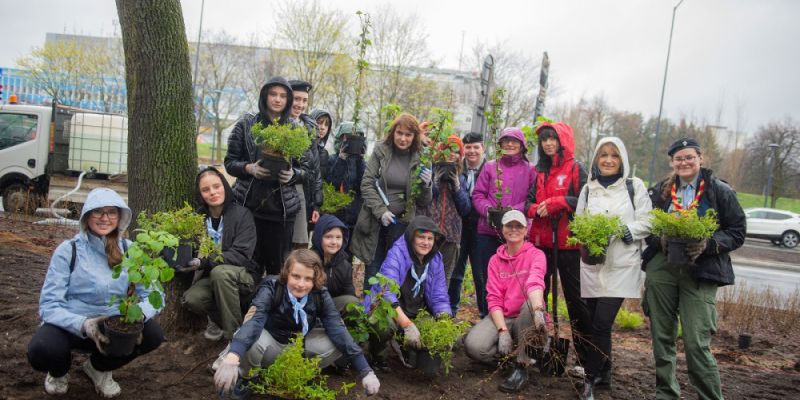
{"x": 744, "y": 341}
{"x": 496, "y": 216}
{"x": 274, "y": 164}
{"x": 445, "y": 168}
{"x": 122, "y": 336}
{"x": 676, "y": 253}
{"x": 590, "y": 259}
{"x": 185, "y": 254}
{"x": 354, "y": 144}
{"x": 427, "y": 364}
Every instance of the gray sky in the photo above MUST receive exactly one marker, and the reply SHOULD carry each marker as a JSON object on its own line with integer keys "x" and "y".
{"x": 724, "y": 52}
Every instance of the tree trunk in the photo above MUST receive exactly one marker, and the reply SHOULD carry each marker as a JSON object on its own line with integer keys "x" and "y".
{"x": 162, "y": 155}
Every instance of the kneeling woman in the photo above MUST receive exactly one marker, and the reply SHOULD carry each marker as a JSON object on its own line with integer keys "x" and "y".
{"x": 224, "y": 285}
{"x": 514, "y": 296}
{"x": 285, "y": 306}
{"x": 76, "y": 298}
{"x": 414, "y": 262}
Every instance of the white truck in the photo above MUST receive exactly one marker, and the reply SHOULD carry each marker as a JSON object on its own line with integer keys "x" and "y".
{"x": 44, "y": 151}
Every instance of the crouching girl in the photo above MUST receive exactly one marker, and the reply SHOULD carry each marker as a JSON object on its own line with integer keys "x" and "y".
{"x": 290, "y": 304}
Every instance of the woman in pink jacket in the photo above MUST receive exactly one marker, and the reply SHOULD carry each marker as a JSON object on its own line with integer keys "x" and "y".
{"x": 514, "y": 295}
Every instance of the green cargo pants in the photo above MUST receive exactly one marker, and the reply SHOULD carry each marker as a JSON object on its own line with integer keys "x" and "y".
{"x": 218, "y": 296}
{"x": 672, "y": 292}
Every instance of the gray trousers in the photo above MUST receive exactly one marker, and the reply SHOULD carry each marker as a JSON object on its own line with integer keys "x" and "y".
{"x": 266, "y": 349}
{"x": 300, "y": 235}
{"x": 219, "y": 296}
{"x": 449, "y": 252}
{"x": 481, "y": 341}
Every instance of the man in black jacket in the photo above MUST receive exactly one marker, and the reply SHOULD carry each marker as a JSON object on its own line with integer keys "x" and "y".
{"x": 274, "y": 204}
{"x": 689, "y": 291}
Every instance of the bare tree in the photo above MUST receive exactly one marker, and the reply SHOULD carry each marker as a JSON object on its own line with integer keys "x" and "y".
{"x": 786, "y": 166}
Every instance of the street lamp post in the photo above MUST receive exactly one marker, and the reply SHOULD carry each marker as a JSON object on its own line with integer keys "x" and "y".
{"x": 768, "y": 191}
{"x": 661, "y": 104}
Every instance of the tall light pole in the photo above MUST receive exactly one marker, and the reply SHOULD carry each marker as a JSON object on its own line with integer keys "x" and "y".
{"x": 651, "y": 175}
{"x": 768, "y": 191}
{"x": 196, "y": 61}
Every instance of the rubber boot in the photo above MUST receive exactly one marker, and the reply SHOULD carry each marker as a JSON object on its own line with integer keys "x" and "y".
{"x": 517, "y": 381}
{"x": 588, "y": 388}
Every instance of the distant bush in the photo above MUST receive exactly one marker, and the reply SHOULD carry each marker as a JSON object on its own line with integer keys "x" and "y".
{"x": 629, "y": 319}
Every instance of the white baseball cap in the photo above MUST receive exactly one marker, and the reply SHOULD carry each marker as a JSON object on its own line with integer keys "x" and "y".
{"x": 515, "y": 215}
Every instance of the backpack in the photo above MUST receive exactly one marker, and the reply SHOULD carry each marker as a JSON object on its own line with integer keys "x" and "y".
{"x": 628, "y": 185}
{"x": 75, "y": 252}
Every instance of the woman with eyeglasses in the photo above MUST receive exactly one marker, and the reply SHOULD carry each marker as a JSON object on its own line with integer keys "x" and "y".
{"x": 77, "y": 296}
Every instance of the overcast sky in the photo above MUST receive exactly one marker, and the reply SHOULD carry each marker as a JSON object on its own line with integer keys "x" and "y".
{"x": 724, "y": 52}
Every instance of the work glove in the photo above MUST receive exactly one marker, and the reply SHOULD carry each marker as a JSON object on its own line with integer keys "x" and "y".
{"x": 342, "y": 153}
{"x": 504, "y": 343}
{"x": 226, "y": 376}
{"x": 538, "y": 319}
{"x": 285, "y": 176}
{"x": 425, "y": 175}
{"x": 412, "y": 337}
{"x": 257, "y": 170}
{"x": 371, "y": 384}
{"x": 664, "y": 245}
{"x": 91, "y": 327}
{"x": 437, "y": 175}
{"x": 387, "y": 218}
{"x": 454, "y": 181}
{"x": 694, "y": 249}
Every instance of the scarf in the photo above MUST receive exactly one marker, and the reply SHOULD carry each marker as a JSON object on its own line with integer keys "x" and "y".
{"x": 215, "y": 234}
{"x": 299, "y": 312}
{"x": 418, "y": 279}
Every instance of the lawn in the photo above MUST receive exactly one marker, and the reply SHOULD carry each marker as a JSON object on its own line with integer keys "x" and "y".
{"x": 204, "y": 150}
{"x": 749, "y": 200}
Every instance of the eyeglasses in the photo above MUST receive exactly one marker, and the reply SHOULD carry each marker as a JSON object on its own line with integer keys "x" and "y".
{"x": 111, "y": 213}
{"x": 679, "y": 160}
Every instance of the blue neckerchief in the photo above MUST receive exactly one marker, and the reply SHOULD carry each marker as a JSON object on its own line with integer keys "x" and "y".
{"x": 418, "y": 279}
{"x": 215, "y": 234}
{"x": 299, "y": 312}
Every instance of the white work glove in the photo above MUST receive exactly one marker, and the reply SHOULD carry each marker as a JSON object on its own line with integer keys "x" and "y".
{"x": 425, "y": 175}
{"x": 412, "y": 337}
{"x": 285, "y": 176}
{"x": 504, "y": 343}
{"x": 538, "y": 319}
{"x": 257, "y": 170}
{"x": 387, "y": 218}
{"x": 371, "y": 384}
{"x": 226, "y": 376}
{"x": 91, "y": 327}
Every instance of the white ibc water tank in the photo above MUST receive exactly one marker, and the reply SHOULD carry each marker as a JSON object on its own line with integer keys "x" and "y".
{"x": 99, "y": 141}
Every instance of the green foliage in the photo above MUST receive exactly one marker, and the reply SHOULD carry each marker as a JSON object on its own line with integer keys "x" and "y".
{"x": 438, "y": 335}
{"x": 361, "y": 65}
{"x": 494, "y": 118}
{"x": 563, "y": 312}
{"x": 334, "y": 200}
{"x": 628, "y": 319}
{"x": 144, "y": 265}
{"x": 440, "y": 127}
{"x": 285, "y": 140}
{"x": 593, "y": 231}
{"x": 685, "y": 224}
{"x": 294, "y": 376}
{"x": 389, "y": 112}
{"x": 467, "y": 286}
{"x": 187, "y": 225}
{"x": 360, "y": 323}
{"x": 749, "y": 200}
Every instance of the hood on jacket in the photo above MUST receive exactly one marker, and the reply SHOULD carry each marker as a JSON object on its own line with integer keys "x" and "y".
{"x": 286, "y": 115}
{"x": 566, "y": 149}
{"x": 594, "y": 172}
{"x": 325, "y": 223}
{"x": 317, "y": 113}
{"x": 104, "y": 197}
{"x": 201, "y": 205}
{"x": 501, "y": 253}
{"x": 345, "y": 128}
{"x": 425, "y": 223}
{"x": 515, "y": 133}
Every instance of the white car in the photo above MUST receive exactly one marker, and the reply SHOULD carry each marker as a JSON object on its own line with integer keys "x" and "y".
{"x": 779, "y": 226}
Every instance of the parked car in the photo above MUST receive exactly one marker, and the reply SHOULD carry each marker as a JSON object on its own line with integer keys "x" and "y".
{"x": 781, "y": 227}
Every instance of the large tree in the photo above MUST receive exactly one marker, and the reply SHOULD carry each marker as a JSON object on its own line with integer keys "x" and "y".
{"x": 162, "y": 156}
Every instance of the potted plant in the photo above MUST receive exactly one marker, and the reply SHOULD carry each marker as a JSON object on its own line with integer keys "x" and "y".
{"x": 363, "y": 323}
{"x": 592, "y": 232}
{"x": 334, "y": 200}
{"x": 438, "y": 336}
{"x": 439, "y": 130}
{"x": 293, "y": 376}
{"x": 683, "y": 227}
{"x": 495, "y": 120}
{"x": 190, "y": 229}
{"x": 279, "y": 143}
{"x": 143, "y": 265}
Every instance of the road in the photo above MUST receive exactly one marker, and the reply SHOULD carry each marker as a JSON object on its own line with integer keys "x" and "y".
{"x": 783, "y": 281}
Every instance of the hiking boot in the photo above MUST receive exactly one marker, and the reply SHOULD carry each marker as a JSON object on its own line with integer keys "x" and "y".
{"x": 603, "y": 381}
{"x": 517, "y": 381}
{"x": 56, "y": 386}
{"x": 104, "y": 384}
{"x": 212, "y": 332}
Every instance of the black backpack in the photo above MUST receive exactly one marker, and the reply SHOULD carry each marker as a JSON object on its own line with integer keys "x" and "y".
{"x": 628, "y": 185}
{"x": 75, "y": 252}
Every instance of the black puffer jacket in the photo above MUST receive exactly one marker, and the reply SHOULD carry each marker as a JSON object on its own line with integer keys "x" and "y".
{"x": 307, "y": 169}
{"x": 323, "y": 154}
{"x": 267, "y": 200}
{"x": 714, "y": 264}
{"x": 339, "y": 270}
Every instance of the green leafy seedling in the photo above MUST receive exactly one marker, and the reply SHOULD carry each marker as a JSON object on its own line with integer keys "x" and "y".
{"x": 593, "y": 231}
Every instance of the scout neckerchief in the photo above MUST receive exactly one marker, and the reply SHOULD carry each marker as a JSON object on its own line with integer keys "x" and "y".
{"x": 299, "y": 312}
{"x": 215, "y": 234}
{"x": 677, "y": 204}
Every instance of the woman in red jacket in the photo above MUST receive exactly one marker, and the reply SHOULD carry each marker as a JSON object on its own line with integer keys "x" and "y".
{"x": 551, "y": 204}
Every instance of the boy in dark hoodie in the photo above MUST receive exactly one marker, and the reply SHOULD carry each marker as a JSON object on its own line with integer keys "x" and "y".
{"x": 274, "y": 204}
{"x": 329, "y": 242}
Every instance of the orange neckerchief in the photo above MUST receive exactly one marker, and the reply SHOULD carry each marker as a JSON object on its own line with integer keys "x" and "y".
{"x": 700, "y": 189}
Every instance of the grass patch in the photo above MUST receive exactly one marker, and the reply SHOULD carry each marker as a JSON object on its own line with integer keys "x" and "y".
{"x": 204, "y": 150}
{"x": 749, "y": 200}
{"x": 629, "y": 320}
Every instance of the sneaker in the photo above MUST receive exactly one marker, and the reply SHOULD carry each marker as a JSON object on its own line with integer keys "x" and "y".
{"x": 577, "y": 372}
{"x": 213, "y": 332}
{"x": 56, "y": 386}
{"x": 104, "y": 384}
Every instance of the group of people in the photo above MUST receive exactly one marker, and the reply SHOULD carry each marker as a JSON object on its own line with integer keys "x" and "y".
{"x": 420, "y": 229}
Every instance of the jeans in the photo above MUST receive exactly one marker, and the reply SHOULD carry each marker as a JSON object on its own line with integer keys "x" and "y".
{"x": 603, "y": 311}
{"x": 569, "y": 272}
{"x": 486, "y": 247}
{"x": 273, "y": 244}
{"x": 467, "y": 250}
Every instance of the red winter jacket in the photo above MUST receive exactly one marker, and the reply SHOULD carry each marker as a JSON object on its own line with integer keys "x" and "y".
{"x": 558, "y": 183}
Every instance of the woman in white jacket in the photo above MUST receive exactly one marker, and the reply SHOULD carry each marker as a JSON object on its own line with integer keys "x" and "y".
{"x": 611, "y": 191}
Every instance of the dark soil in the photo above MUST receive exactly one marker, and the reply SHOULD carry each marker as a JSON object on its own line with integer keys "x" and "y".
{"x": 769, "y": 369}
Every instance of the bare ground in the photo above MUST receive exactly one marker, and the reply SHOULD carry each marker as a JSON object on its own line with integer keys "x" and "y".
{"x": 770, "y": 369}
